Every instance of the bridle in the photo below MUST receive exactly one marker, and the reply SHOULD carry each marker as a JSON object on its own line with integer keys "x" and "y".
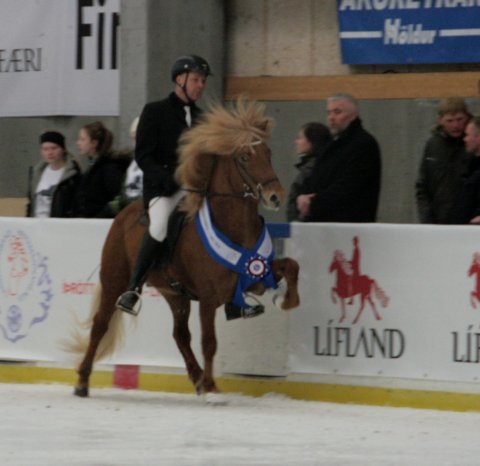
{"x": 251, "y": 186}
{"x": 248, "y": 179}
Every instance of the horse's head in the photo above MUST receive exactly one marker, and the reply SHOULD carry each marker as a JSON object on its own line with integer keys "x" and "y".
{"x": 255, "y": 176}
{"x": 337, "y": 260}
{"x": 226, "y": 155}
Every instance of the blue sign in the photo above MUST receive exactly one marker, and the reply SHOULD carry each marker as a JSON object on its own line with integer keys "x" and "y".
{"x": 409, "y": 31}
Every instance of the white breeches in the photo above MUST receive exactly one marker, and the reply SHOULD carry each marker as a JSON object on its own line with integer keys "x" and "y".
{"x": 159, "y": 209}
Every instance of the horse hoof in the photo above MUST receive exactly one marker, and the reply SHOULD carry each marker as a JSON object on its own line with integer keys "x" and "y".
{"x": 215, "y": 399}
{"x": 278, "y": 297}
{"x": 82, "y": 392}
{"x": 278, "y": 301}
{"x": 199, "y": 390}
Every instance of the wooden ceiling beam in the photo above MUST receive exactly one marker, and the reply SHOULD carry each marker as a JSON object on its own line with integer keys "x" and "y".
{"x": 362, "y": 86}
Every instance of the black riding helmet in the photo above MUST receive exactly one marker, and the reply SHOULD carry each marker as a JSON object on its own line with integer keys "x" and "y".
{"x": 188, "y": 63}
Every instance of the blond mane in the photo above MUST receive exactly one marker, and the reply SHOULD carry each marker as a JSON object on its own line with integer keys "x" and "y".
{"x": 220, "y": 132}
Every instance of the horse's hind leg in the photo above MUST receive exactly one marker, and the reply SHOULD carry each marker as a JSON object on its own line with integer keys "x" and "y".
{"x": 473, "y": 299}
{"x": 360, "y": 310}
{"x": 118, "y": 255}
{"x": 287, "y": 268}
{"x": 180, "y": 307}
{"x": 374, "y": 308}
{"x": 105, "y": 307}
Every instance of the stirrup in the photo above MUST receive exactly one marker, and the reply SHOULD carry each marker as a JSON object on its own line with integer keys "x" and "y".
{"x": 130, "y": 302}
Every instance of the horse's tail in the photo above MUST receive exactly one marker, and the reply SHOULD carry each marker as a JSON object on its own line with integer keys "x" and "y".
{"x": 380, "y": 294}
{"x": 79, "y": 340}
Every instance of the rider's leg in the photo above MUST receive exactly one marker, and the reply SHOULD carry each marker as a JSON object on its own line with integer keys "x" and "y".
{"x": 151, "y": 247}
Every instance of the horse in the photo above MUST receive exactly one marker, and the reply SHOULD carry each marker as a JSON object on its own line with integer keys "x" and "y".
{"x": 349, "y": 285}
{"x": 224, "y": 161}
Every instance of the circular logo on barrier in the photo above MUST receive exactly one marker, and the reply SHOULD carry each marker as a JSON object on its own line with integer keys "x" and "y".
{"x": 26, "y": 288}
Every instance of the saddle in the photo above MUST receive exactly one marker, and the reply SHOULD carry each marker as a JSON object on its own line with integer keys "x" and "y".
{"x": 176, "y": 223}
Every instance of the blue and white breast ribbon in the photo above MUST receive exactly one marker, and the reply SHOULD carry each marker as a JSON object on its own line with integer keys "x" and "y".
{"x": 251, "y": 265}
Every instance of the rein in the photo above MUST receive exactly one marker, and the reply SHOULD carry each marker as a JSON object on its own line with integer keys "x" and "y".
{"x": 248, "y": 182}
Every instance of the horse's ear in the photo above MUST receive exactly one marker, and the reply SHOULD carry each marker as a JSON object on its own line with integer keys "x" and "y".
{"x": 265, "y": 126}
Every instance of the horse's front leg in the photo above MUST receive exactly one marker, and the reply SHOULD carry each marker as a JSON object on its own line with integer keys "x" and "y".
{"x": 343, "y": 310}
{"x": 180, "y": 307}
{"x": 209, "y": 347}
{"x": 333, "y": 292}
{"x": 287, "y": 268}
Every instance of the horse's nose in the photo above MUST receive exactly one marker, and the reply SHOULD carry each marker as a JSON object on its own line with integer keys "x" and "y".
{"x": 274, "y": 201}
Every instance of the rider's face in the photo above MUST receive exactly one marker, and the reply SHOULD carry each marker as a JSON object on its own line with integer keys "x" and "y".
{"x": 195, "y": 84}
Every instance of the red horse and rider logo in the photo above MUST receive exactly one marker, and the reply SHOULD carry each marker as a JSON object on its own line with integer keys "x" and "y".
{"x": 475, "y": 270}
{"x": 19, "y": 265}
{"x": 351, "y": 283}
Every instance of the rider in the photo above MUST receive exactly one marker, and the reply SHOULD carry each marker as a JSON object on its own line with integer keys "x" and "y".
{"x": 160, "y": 126}
{"x": 159, "y": 129}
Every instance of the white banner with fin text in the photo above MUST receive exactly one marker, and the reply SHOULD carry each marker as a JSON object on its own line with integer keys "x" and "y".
{"x": 59, "y": 57}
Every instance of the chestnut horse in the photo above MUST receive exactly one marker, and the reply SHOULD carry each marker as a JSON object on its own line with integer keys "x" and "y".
{"x": 223, "y": 160}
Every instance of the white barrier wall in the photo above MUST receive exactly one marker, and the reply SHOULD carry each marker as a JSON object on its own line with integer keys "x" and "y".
{"x": 48, "y": 274}
{"x": 427, "y": 300}
{"x": 423, "y": 282}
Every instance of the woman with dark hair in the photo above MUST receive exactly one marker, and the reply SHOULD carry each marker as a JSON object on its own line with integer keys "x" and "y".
{"x": 53, "y": 181}
{"x": 103, "y": 178}
{"x": 310, "y": 140}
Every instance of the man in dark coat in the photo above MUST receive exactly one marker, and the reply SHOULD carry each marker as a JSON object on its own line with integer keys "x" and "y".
{"x": 345, "y": 183}
{"x": 159, "y": 129}
{"x": 467, "y": 206}
{"x": 444, "y": 162}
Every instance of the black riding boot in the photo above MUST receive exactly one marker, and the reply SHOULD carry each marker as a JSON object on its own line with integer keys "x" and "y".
{"x": 232, "y": 311}
{"x": 149, "y": 249}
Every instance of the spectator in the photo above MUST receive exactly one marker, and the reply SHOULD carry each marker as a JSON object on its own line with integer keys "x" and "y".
{"x": 467, "y": 206}
{"x": 310, "y": 139}
{"x": 443, "y": 164}
{"x": 103, "y": 178}
{"x": 132, "y": 186}
{"x": 52, "y": 182}
{"x": 345, "y": 182}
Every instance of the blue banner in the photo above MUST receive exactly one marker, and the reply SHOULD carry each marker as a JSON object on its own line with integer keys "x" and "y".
{"x": 409, "y": 31}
